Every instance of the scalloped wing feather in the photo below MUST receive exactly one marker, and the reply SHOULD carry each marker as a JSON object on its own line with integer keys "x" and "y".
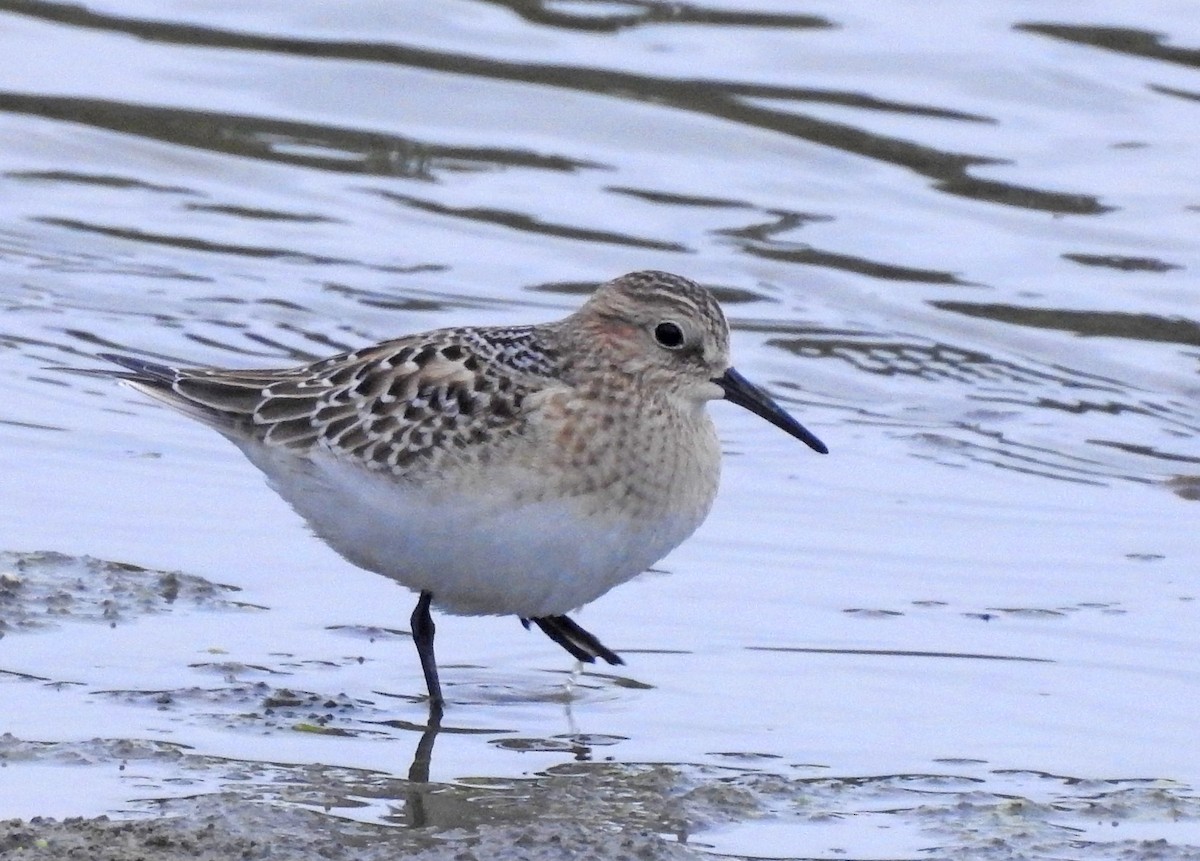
{"x": 410, "y": 401}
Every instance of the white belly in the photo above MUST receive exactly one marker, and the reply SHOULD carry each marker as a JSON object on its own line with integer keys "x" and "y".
{"x": 480, "y": 553}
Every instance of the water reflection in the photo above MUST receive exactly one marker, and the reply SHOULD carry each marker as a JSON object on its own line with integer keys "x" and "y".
{"x": 281, "y": 141}
{"x": 1109, "y": 324}
{"x": 1002, "y": 388}
{"x": 531, "y": 224}
{"x": 731, "y": 101}
{"x": 1123, "y": 40}
{"x": 611, "y": 17}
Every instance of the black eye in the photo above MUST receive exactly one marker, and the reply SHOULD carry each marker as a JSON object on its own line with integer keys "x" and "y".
{"x": 669, "y": 335}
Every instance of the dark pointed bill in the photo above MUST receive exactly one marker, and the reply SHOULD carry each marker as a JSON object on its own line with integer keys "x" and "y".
{"x": 744, "y": 393}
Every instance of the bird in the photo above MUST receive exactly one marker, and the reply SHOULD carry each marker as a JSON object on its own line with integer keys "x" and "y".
{"x": 496, "y": 470}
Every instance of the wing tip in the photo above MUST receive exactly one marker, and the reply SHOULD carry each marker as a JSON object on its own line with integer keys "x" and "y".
{"x": 142, "y": 370}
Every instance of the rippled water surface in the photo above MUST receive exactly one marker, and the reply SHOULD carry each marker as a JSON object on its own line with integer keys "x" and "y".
{"x": 959, "y": 241}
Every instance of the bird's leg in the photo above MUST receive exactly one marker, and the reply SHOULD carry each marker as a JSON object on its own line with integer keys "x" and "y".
{"x": 422, "y": 634}
{"x": 573, "y": 638}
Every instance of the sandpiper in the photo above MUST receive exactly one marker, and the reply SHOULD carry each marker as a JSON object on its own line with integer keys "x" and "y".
{"x": 521, "y": 470}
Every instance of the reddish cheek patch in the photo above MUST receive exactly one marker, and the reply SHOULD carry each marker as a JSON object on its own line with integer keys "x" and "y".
{"x": 615, "y": 332}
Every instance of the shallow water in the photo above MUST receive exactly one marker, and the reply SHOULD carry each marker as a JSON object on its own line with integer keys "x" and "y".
{"x": 959, "y": 242}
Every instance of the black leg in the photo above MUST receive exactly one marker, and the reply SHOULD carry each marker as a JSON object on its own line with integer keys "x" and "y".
{"x": 422, "y": 633}
{"x": 582, "y": 645}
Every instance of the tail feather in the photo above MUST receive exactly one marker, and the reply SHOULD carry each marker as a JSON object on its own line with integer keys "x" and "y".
{"x": 172, "y": 387}
{"x": 273, "y": 406}
{"x": 139, "y": 369}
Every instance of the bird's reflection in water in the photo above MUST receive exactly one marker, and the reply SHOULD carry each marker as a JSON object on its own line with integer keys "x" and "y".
{"x": 419, "y": 787}
{"x": 418, "y": 772}
{"x": 421, "y": 810}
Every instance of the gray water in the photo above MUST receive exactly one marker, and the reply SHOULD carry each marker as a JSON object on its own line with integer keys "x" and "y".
{"x": 958, "y": 240}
